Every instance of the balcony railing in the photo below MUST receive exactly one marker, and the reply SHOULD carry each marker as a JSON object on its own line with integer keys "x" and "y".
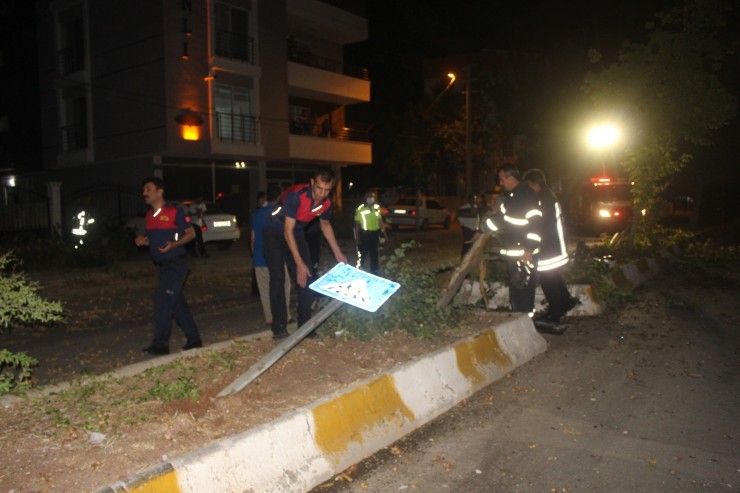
{"x": 70, "y": 60}
{"x": 236, "y": 128}
{"x": 73, "y": 138}
{"x": 235, "y": 45}
{"x": 323, "y": 131}
{"x": 327, "y": 64}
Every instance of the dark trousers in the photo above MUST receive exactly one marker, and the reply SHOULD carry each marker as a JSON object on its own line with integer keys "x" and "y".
{"x": 170, "y": 303}
{"x": 197, "y": 247}
{"x": 556, "y": 292}
{"x": 277, "y": 256}
{"x": 468, "y": 235}
{"x": 368, "y": 246}
{"x": 521, "y": 298}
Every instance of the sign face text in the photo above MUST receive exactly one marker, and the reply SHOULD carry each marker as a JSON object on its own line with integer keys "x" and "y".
{"x": 355, "y": 287}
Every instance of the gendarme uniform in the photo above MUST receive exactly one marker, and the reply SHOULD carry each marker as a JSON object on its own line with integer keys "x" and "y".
{"x": 519, "y": 218}
{"x": 369, "y": 222}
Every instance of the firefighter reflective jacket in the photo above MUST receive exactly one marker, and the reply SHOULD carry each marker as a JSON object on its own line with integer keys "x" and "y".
{"x": 554, "y": 252}
{"x": 519, "y": 217}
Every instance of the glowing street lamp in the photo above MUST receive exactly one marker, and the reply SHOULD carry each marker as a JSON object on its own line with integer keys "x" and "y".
{"x": 603, "y": 137}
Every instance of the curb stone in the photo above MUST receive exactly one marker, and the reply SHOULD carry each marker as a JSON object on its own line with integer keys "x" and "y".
{"x": 302, "y": 449}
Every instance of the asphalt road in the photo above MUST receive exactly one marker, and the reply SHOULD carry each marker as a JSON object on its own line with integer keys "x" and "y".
{"x": 641, "y": 399}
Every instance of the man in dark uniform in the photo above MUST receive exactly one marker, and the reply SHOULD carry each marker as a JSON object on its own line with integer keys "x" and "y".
{"x": 168, "y": 230}
{"x": 519, "y": 217}
{"x": 285, "y": 243}
{"x": 554, "y": 253}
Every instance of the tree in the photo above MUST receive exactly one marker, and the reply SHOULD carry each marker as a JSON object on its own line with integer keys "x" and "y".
{"x": 669, "y": 91}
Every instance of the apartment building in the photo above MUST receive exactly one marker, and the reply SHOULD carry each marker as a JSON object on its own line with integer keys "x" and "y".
{"x": 218, "y": 97}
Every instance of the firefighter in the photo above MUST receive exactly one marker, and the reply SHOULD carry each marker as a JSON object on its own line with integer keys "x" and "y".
{"x": 554, "y": 253}
{"x": 517, "y": 214}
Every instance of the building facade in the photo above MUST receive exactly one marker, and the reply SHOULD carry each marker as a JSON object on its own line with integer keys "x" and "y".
{"x": 219, "y": 97}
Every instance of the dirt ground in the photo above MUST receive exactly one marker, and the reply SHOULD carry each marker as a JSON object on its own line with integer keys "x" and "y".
{"x": 100, "y": 431}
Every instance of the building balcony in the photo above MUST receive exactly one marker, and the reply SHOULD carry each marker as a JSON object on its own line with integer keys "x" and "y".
{"x": 330, "y": 149}
{"x": 324, "y": 84}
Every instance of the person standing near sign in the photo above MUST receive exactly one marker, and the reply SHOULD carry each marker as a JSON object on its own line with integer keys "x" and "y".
{"x": 259, "y": 264}
{"x": 284, "y": 242}
{"x": 368, "y": 229}
{"x": 168, "y": 230}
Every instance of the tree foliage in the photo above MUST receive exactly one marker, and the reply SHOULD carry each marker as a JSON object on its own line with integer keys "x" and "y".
{"x": 669, "y": 92}
{"x": 19, "y": 302}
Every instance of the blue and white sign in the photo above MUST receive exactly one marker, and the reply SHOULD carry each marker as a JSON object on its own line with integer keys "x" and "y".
{"x": 355, "y": 287}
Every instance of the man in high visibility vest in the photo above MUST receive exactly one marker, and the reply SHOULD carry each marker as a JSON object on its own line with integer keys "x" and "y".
{"x": 368, "y": 229}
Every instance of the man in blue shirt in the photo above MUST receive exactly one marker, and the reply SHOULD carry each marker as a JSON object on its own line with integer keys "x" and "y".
{"x": 168, "y": 230}
{"x": 261, "y": 272}
{"x": 285, "y": 244}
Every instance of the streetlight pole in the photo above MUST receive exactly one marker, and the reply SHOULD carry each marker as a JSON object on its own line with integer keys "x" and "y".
{"x": 468, "y": 154}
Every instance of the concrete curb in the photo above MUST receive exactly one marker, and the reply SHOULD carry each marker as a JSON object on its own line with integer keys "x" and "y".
{"x": 469, "y": 294}
{"x": 309, "y": 446}
{"x": 633, "y": 274}
{"x": 626, "y": 277}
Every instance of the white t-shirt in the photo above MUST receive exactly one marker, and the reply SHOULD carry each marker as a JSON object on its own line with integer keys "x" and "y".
{"x": 196, "y": 211}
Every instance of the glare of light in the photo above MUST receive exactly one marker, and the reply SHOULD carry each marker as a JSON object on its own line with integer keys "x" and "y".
{"x": 452, "y": 77}
{"x": 240, "y": 164}
{"x": 603, "y": 136}
{"x": 351, "y": 185}
{"x": 10, "y": 181}
{"x": 190, "y": 132}
{"x": 604, "y": 213}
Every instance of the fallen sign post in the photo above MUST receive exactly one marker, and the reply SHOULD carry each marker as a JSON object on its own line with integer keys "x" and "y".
{"x": 344, "y": 283}
{"x": 472, "y": 259}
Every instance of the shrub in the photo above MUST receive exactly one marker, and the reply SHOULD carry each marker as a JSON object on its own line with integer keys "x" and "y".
{"x": 412, "y": 308}
{"x": 20, "y": 305}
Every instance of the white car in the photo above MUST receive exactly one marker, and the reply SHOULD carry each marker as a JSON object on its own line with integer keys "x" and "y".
{"x": 404, "y": 213}
{"x": 220, "y": 228}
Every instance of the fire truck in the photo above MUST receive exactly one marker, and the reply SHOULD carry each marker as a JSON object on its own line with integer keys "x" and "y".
{"x": 600, "y": 205}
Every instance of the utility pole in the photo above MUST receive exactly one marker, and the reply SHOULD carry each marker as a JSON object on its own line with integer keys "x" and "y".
{"x": 468, "y": 153}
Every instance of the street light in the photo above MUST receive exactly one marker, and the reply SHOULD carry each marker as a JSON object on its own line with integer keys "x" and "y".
{"x": 602, "y": 137}
{"x": 468, "y": 153}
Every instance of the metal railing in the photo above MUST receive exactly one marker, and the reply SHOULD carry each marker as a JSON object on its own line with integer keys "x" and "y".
{"x": 236, "y": 128}
{"x": 70, "y": 60}
{"x": 72, "y": 138}
{"x": 230, "y": 44}
{"x": 327, "y": 64}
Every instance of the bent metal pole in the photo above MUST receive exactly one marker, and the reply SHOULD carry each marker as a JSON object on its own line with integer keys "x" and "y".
{"x": 281, "y": 349}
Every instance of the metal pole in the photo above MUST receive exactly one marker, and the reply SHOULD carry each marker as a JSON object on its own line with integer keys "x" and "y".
{"x": 213, "y": 182}
{"x": 468, "y": 156}
{"x": 281, "y": 349}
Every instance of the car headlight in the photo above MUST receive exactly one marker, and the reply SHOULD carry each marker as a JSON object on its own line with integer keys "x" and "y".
{"x": 605, "y": 213}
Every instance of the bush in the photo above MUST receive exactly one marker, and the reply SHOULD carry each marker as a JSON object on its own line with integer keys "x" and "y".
{"x": 20, "y": 305}
{"x": 412, "y": 308}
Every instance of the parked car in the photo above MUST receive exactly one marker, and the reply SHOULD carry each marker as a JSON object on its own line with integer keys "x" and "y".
{"x": 220, "y": 228}
{"x": 405, "y": 213}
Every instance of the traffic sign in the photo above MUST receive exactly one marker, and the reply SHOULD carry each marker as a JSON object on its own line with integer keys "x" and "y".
{"x": 355, "y": 287}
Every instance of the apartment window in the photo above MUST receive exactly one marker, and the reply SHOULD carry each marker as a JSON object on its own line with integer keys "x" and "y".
{"x": 234, "y": 120}
{"x": 232, "y": 33}
{"x": 73, "y": 128}
{"x": 71, "y": 54}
